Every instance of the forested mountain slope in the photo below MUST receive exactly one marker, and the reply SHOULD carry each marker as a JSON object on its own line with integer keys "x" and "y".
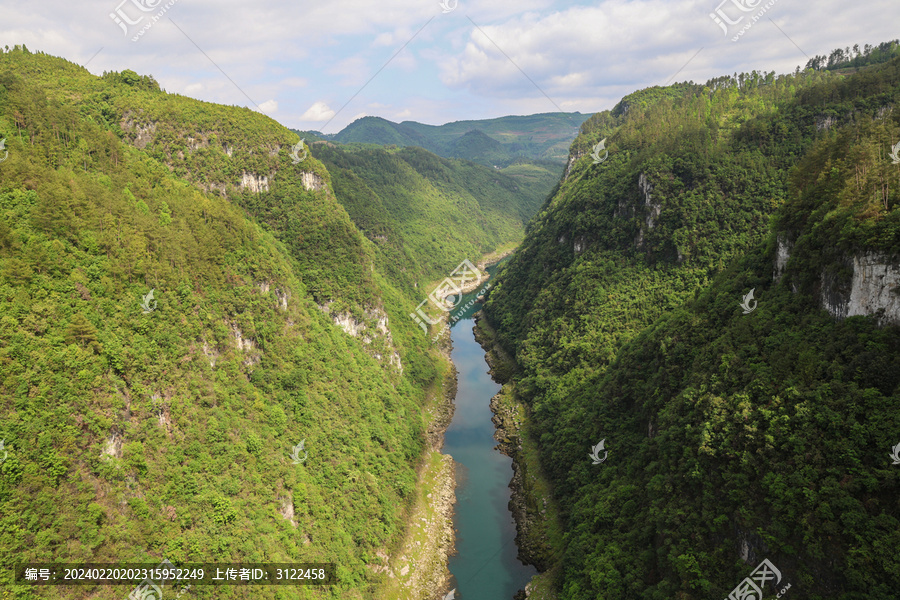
{"x": 731, "y": 437}
{"x": 414, "y": 204}
{"x": 531, "y": 149}
{"x": 139, "y": 426}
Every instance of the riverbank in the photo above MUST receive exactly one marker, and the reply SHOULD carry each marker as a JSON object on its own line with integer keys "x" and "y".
{"x": 538, "y": 529}
{"x": 418, "y": 568}
{"x": 497, "y": 255}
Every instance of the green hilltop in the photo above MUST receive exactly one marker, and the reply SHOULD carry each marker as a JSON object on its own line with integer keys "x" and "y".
{"x": 541, "y": 138}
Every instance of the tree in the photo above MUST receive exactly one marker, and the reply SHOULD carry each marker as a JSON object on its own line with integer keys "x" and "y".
{"x": 82, "y": 332}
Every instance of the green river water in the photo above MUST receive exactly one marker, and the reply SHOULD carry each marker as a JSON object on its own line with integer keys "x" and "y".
{"x": 485, "y": 565}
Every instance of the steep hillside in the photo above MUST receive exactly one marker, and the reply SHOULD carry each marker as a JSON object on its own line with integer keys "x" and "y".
{"x": 425, "y": 213}
{"x": 731, "y": 437}
{"x": 181, "y": 305}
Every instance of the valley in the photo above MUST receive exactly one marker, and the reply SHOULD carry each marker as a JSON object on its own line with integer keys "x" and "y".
{"x": 398, "y": 349}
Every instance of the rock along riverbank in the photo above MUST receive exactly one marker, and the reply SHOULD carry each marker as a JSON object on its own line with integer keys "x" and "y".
{"x": 537, "y": 521}
{"x": 418, "y": 569}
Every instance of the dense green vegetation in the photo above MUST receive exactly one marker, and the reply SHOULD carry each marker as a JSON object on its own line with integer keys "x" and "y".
{"x": 136, "y": 433}
{"x": 766, "y": 434}
{"x": 844, "y": 58}
{"x": 414, "y": 204}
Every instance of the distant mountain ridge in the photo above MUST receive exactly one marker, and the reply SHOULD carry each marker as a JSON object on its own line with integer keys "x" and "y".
{"x": 540, "y": 137}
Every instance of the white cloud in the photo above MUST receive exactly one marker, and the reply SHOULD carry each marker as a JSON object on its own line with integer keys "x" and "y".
{"x": 269, "y": 107}
{"x": 584, "y": 56}
{"x": 585, "y": 51}
{"x": 318, "y": 112}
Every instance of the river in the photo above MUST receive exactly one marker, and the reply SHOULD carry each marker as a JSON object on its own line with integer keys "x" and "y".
{"x": 485, "y": 565}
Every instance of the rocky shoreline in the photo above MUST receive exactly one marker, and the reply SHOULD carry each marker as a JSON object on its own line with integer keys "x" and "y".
{"x": 528, "y": 509}
{"x": 418, "y": 569}
{"x": 427, "y": 575}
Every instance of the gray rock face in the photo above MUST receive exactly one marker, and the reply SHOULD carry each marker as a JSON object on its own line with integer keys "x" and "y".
{"x": 874, "y": 290}
{"x": 782, "y": 254}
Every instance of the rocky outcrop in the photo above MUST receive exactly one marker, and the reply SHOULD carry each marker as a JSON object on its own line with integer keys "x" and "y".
{"x": 533, "y": 550}
{"x": 529, "y": 511}
{"x": 254, "y": 183}
{"x": 783, "y": 248}
{"x": 653, "y": 209}
{"x": 572, "y": 159}
{"x": 312, "y": 182}
{"x": 113, "y": 446}
{"x": 142, "y": 132}
{"x": 246, "y": 346}
{"x": 874, "y": 290}
{"x": 825, "y": 122}
{"x": 286, "y": 509}
{"x": 373, "y": 329}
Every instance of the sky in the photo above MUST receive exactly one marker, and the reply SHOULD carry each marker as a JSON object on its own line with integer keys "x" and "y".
{"x": 320, "y": 65}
